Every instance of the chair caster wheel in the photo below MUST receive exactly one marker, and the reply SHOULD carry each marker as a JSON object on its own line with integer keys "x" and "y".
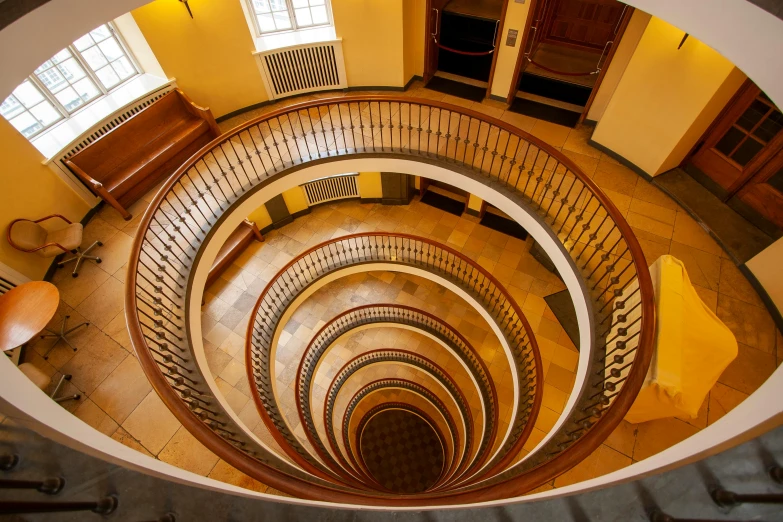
{"x": 99, "y": 243}
{"x": 68, "y": 377}
{"x": 77, "y": 397}
{"x": 74, "y": 275}
{"x": 98, "y": 260}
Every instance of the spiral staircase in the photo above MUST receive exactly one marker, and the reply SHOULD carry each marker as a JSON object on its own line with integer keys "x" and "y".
{"x": 483, "y": 458}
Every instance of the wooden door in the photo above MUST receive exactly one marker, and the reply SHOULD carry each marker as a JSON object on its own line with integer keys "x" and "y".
{"x": 764, "y": 191}
{"x": 432, "y": 35}
{"x": 741, "y": 141}
{"x": 582, "y": 23}
{"x": 536, "y": 32}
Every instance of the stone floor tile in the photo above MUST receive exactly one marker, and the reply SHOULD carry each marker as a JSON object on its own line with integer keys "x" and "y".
{"x": 551, "y": 133}
{"x": 602, "y": 461}
{"x": 623, "y": 438}
{"x": 125, "y": 438}
{"x": 114, "y": 253}
{"x": 104, "y": 303}
{"x": 151, "y": 423}
{"x": 751, "y": 325}
{"x": 660, "y": 434}
{"x": 225, "y": 472}
{"x": 736, "y": 285}
{"x": 749, "y": 370}
{"x": 577, "y": 141}
{"x": 186, "y": 452}
{"x": 122, "y": 391}
{"x": 91, "y": 365}
{"x": 703, "y": 267}
{"x": 688, "y": 232}
{"x": 90, "y": 413}
{"x": 722, "y": 400}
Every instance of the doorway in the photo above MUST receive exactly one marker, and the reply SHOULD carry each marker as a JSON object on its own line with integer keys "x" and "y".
{"x": 460, "y": 50}
{"x": 740, "y": 158}
{"x": 567, "y": 48}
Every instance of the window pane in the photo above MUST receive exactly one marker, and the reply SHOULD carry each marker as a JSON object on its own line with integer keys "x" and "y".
{"x": 45, "y": 113}
{"x": 261, "y": 6}
{"x": 71, "y": 70}
{"x": 101, "y": 33}
{"x": 299, "y": 3}
{"x": 26, "y": 124}
{"x": 123, "y": 68}
{"x": 729, "y": 140}
{"x": 752, "y": 115}
{"x": 747, "y": 151}
{"x": 69, "y": 99}
{"x": 319, "y": 15}
{"x": 108, "y": 77}
{"x": 61, "y": 56}
{"x": 278, "y": 5}
{"x": 770, "y": 127}
{"x": 94, "y": 58}
{"x": 11, "y": 107}
{"x": 86, "y": 89}
{"x": 282, "y": 21}
{"x": 28, "y": 94}
{"x": 84, "y": 42}
{"x": 111, "y": 49}
{"x": 303, "y": 17}
{"x": 266, "y": 23}
{"x": 53, "y": 80}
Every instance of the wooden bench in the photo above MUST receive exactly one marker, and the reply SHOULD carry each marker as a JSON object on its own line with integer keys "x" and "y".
{"x": 236, "y": 243}
{"x": 126, "y": 162}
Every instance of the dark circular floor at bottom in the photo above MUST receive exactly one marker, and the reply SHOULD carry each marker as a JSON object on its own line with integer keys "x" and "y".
{"x": 402, "y": 451}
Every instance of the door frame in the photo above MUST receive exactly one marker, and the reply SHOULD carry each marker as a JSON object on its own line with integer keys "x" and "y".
{"x": 428, "y": 43}
{"x": 625, "y": 18}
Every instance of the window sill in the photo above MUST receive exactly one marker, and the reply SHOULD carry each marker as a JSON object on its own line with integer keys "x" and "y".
{"x": 273, "y": 42}
{"x": 52, "y": 142}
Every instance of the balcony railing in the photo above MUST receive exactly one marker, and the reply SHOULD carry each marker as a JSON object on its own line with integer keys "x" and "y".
{"x": 537, "y": 177}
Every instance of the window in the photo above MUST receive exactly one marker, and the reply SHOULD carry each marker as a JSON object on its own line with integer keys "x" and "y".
{"x": 273, "y": 16}
{"x": 79, "y": 74}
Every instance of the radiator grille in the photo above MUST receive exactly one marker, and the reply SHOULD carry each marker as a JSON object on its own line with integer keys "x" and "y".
{"x": 330, "y": 189}
{"x": 5, "y": 285}
{"x": 306, "y": 68}
{"x": 10, "y": 278}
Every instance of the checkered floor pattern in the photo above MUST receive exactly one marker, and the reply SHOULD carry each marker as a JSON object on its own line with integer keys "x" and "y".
{"x": 402, "y": 451}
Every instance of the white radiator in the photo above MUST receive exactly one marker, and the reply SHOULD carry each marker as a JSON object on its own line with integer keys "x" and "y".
{"x": 332, "y": 188}
{"x": 303, "y": 68}
{"x": 10, "y": 278}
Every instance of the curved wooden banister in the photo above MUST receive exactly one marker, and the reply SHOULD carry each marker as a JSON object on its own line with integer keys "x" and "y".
{"x": 175, "y": 226}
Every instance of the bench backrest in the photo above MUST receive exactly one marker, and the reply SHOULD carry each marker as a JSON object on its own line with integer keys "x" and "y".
{"x": 115, "y": 148}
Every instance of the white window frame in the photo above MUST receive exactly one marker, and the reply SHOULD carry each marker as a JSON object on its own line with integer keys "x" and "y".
{"x": 51, "y": 98}
{"x": 251, "y": 10}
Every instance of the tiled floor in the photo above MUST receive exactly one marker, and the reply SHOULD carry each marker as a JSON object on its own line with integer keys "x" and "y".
{"x": 118, "y": 401}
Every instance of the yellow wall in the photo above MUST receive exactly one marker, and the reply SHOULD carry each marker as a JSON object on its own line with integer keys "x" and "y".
{"x": 630, "y": 39}
{"x": 650, "y": 118}
{"x": 372, "y": 34}
{"x": 295, "y": 200}
{"x": 413, "y": 12}
{"x": 370, "y": 185}
{"x": 516, "y": 17}
{"x": 30, "y": 190}
{"x": 209, "y": 55}
{"x": 138, "y": 45}
{"x": 261, "y": 217}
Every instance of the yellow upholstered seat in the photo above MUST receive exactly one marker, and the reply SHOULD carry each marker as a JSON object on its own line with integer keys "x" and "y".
{"x": 692, "y": 348}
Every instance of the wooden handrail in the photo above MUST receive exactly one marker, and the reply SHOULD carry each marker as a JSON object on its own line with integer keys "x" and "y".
{"x": 561, "y": 462}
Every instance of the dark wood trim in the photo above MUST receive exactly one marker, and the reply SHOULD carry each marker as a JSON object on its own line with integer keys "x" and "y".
{"x": 483, "y": 209}
{"x": 475, "y": 213}
{"x": 283, "y": 222}
{"x": 302, "y": 212}
{"x": 618, "y": 38}
{"x": 370, "y": 200}
{"x": 609, "y": 152}
{"x": 498, "y": 41}
{"x": 414, "y": 78}
{"x": 747, "y": 84}
{"x": 531, "y": 12}
{"x": 497, "y": 98}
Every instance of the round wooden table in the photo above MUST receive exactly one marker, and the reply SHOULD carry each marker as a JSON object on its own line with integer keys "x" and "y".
{"x": 25, "y": 311}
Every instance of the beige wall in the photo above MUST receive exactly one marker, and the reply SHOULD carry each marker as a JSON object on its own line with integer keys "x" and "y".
{"x": 372, "y": 34}
{"x": 261, "y": 217}
{"x": 210, "y": 55}
{"x": 516, "y": 17}
{"x": 766, "y": 267}
{"x": 30, "y": 190}
{"x": 630, "y": 39}
{"x": 295, "y": 200}
{"x": 370, "y": 185}
{"x": 665, "y": 99}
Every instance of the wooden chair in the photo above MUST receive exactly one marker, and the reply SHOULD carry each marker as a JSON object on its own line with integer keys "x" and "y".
{"x": 125, "y": 163}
